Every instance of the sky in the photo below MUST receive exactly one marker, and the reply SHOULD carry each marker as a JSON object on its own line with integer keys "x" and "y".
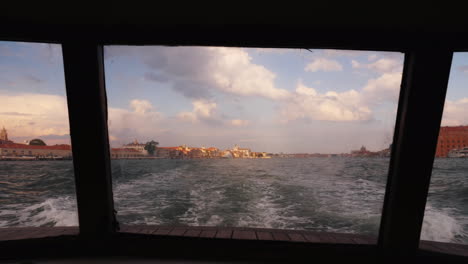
{"x": 273, "y": 100}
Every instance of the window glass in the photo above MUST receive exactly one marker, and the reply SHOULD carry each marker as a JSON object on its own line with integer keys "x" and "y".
{"x": 247, "y": 137}
{"x": 446, "y": 216}
{"x": 36, "y": 171}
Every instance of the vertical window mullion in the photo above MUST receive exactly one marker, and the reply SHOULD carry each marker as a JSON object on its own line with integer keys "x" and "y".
{"x": 424, "y": 85}
{"x": 87, "y": 105}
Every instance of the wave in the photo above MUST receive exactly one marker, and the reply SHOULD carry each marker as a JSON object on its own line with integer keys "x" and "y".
{"x": 443, "y": 225}
{"x": 203, "y": 205}
{"x": 60, "y": 211}
{"x": 285, "y": 194}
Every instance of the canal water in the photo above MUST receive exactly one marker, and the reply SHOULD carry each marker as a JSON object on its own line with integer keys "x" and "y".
{"x": 319, "y": 194}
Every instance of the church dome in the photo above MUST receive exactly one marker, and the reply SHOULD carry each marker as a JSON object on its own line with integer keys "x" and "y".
{"x": 37, "y": 142}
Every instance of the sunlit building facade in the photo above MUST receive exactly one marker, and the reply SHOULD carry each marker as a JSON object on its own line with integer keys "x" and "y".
{"x": 451, "y": 138}
{"x": 15, "y": 151}
{"x": 126, "y": 153}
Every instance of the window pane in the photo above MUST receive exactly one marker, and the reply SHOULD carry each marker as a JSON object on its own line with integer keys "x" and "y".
{"x": 270, "y": 138}
{"x": 36, "y": 172}
{"x": 446, "y": 216}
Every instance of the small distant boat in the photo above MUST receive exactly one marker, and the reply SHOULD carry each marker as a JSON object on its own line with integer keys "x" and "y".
{"x": 27, "y": 158}
{"x": 227, "y": 155}
{"x": 458, "y": 153}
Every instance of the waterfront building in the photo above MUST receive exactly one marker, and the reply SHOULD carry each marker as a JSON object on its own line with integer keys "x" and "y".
{"x": 197, "y": 153}
{"x": 137, "y": 146}
{"x": 126, "y": 153}
{"x": 363, "y": 152}
{"x": 213, "y": 152}
{"x": 14, "y": 150}
{"x": 36, "y": 149}
{"x": 241, "y": 152}
{"x": 360, "y": 153}
{"x": 3, "y": 134}
{"x": 450, "y": 138}
{"x": 4, "y": 137}
{"x": 169, "y": 152}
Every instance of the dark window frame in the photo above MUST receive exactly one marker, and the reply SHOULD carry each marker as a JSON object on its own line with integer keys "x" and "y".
{"x": 83, "y": 63}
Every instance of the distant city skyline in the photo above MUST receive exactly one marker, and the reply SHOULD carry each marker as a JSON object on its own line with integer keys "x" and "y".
{"x": 272, "y": 100}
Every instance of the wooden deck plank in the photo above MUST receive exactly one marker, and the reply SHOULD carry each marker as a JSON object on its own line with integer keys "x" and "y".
{"x": 192, "y": 233}
{"x": 328, "y": 238}
{"x": 345, "y": 239}
{"x": 280, "y": 236}
{"x": 149, "y": 230}
{"x": 131, "y": 228}
{"x": 262, "y": 235}
{"x": 312, "y": 237}
{"x": 178, "y": 231}
{"x": 224, "y": 233}
{"x": 425, "y": 245}
{"x": 436, "y": 246}
{"x": 296, "y": 237}
{"x": 17, "y": 233}
{"x": 461, "y": 248}
{"x": 35, "y": 232}
{"x": 31, "y": 233}
{"x": 244, "y": 234}
{"x": 449, "y": 248}
{"x": 70, "y": 230}
{"x": 208, "y": 233}
{"x": 163, "y": 231}
{"x": 363, "y": 240}
{"x": 7, "y": 233}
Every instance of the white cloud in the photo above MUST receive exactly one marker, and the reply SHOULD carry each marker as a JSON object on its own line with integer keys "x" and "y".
{"x": 141, "y": 120}
{"x": 233, "y": 72}
{"x": 355, "y": 64}
{"x": 29, "y": 115}
{"x": 455, "y": 113}
{"x": 141, "y": 106}
{"x": 332, "y": 106}
{"x": 207, "y": 111}
{"x": 384, "y": 88}
{"x": 350, "y": 105}
{"x": 272, "y": 50}
{"x": 202, "y": 110}
{"x": 33, "y": 115}
{"x": 383, "y": 65}
{"x": 340, "y": 53}
{"x": 304, "y": 90}
{"x": 239, "y": 122}
{"x": 188, "y": 116}
{"x": 372, "y": 57}
{"x": 322, "y": 64}
{"x": 196, "y": 72}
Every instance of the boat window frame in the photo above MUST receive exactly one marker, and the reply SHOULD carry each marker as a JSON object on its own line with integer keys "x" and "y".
{"x": 84, "y": 76}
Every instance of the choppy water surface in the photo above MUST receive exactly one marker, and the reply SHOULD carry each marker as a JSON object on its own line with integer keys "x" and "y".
{"x": 321, "y": 194}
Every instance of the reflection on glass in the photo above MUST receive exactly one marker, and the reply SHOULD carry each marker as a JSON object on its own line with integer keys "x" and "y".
{"x": 36, "y": 171}
{"x": 446, "y": 216}
{"x": 271, "y": 138}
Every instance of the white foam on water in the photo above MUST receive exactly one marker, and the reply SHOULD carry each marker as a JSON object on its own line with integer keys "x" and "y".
{"x": 214, "y": 220}
{"x": 129, "y": 196}
{"x": 269, "y": 211}
{"x": 441, "y": 225}
{"x": 203, "y": 202}
{"x": 59, "y": 211}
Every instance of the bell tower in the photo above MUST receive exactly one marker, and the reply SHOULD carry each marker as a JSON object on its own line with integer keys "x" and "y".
{"x": 4, "y": 135}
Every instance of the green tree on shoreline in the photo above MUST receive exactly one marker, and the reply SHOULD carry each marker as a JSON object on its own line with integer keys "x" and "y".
{"x": 151, "y": 147}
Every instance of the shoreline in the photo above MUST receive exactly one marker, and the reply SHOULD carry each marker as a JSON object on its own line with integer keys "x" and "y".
{"x": 164, "y": 158}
